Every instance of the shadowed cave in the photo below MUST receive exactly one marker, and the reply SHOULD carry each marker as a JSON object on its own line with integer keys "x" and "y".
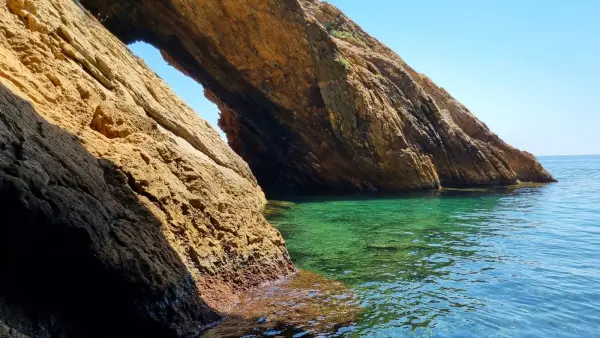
{"x": 81, "y": 255}
{"x": 66, "y": 241}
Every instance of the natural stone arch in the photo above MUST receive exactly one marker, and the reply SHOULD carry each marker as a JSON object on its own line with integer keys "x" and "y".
{"x": 136, "y": 210}
{"x": 313, "y": 103}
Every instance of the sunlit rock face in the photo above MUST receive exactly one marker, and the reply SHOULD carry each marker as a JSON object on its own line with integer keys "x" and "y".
{"x": 313, "y": 103}
{"x": 123, "y": 213}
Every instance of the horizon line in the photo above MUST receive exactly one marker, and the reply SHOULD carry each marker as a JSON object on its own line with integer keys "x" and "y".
{"x": 547, "y": 155}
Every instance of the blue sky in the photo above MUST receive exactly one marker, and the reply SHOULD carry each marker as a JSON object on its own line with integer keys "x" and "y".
{"x": 529, "y": 69}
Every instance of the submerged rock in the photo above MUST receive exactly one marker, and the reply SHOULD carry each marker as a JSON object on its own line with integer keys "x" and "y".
{"x": 302, "y": 305}
{"x": 313, "y": 103}
{"x": 123, "y": 212}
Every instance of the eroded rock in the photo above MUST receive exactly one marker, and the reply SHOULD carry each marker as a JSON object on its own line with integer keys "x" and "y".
{"x": 312, "y": 102}
{"x": 123, "y": 212}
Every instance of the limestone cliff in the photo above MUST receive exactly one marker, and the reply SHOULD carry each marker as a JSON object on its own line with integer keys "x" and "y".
{"x": 314, "y": 103}
{"x": 123, "y": 213}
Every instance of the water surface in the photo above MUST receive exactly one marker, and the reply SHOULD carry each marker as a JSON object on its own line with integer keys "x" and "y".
{"x": 500, "y": 262}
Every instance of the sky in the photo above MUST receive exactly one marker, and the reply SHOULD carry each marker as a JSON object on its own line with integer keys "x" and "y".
{"x": 529, "y": 69}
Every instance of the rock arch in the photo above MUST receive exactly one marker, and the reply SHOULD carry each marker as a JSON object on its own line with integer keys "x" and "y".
{"x": 104, "y": 171}
{"x": 125, "y": 214}
{"x": 313, "y": 103}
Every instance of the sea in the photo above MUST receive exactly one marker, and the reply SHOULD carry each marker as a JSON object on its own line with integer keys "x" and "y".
{"x": 518, "y": 261}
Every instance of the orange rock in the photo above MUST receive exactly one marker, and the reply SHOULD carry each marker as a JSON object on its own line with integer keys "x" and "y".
{"x": 123, "y": 212}
{"x": 314, "y": 103}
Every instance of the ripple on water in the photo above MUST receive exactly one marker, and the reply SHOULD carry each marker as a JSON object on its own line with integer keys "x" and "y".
{"x": 478, "y": 262}
{"x": 499, "y": 262}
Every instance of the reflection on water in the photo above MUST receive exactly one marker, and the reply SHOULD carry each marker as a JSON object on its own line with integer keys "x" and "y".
{"x": 499, "y": 262}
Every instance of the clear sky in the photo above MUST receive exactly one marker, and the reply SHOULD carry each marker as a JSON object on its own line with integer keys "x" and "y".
{"x": 529, "y": 69}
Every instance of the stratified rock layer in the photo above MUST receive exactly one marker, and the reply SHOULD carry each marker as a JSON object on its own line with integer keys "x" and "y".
{"x": 314, "y": 103}
{"x": 123, "y": 213}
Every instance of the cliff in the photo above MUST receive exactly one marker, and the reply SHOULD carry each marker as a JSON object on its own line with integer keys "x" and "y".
{"x": 313, "y": 103}
{"x": 123, "y": 212}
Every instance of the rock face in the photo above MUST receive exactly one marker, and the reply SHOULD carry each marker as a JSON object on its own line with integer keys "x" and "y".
{"x": 123, "y": 213}
{"x": 314, "y": 103}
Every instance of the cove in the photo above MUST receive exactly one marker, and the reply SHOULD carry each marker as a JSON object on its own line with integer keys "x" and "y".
{"x": 474, "y": 262}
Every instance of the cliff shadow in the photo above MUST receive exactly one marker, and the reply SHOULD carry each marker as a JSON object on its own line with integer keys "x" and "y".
{"x": 80, "y": 254}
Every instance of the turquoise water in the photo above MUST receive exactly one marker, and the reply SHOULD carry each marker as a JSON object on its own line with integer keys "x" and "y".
{"x": 481, "y": 263}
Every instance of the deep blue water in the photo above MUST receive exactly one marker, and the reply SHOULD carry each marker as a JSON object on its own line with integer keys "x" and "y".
{"x": 478, "y": 263}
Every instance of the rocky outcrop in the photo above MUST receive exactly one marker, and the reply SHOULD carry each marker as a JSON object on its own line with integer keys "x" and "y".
{"x": 314, "y": 103}
{"x": 123, "y": 213}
